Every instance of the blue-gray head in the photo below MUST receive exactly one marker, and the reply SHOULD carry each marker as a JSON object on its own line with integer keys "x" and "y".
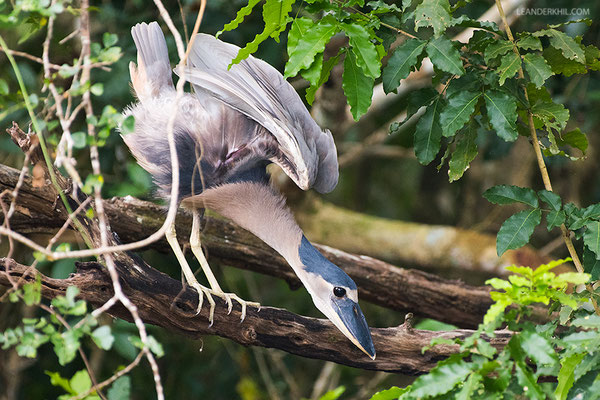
{"x": 335, "y": 294}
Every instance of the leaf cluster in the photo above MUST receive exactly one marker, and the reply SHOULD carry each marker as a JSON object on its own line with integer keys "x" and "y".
{"x": 68, "y": 326}
{"x": 559, "y": 359}
{"x": 516, "y": 231}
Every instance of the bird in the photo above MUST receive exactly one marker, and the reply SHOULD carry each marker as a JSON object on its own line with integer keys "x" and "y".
{"x": 236, "y": 122}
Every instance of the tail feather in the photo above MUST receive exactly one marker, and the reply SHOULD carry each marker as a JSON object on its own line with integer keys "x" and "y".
{"x": 153, "y": 72}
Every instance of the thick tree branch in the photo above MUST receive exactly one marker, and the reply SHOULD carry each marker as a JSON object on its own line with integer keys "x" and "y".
{"x": 380, "y": 283}
{"x": 162, "y": 301}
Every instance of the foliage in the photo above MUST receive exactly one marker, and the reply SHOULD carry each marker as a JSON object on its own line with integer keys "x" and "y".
{"x": 68, "y": 326}
{"x": 478, "y": 95}
{"x": 559, "y": 359}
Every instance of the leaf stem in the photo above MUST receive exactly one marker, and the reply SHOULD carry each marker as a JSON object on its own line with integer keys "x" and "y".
{"x": 540, "y": 159}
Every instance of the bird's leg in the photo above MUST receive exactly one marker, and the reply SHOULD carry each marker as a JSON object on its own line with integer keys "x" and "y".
{"x": 196, "y": 246}
{"x": 189, "y": 275}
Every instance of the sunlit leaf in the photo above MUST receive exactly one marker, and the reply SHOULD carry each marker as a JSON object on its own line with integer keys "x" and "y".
{"x": 307, "y": 39}
{"x": 363, "y": 49}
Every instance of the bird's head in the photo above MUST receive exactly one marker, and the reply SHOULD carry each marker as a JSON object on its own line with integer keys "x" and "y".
{"x": 335, "y": 294}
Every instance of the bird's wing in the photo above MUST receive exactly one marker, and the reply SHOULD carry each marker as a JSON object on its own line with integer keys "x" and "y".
{"x": 256, "y": 89}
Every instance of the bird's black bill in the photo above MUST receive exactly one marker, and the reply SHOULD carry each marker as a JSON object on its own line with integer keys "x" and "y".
{"x": 354, "y": 320}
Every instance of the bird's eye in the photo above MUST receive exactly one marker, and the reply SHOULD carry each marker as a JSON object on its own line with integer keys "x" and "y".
{"x": 339, "y": 291}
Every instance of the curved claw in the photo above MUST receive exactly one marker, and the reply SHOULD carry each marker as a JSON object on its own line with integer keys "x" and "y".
{"x": 211, "y": 314}
{"x": 229, "y": 304}
{"x": 200, "y": 291}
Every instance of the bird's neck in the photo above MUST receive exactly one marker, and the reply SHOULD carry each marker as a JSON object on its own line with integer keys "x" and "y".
{"x": 259, "y": 209}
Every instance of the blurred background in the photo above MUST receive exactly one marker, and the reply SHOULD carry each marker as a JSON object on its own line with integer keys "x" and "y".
{"x": 381, "y": 183}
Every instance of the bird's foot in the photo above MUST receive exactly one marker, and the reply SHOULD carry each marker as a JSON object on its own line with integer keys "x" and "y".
{"x": 202, "y": 291}
{"x": 229, "y": 297}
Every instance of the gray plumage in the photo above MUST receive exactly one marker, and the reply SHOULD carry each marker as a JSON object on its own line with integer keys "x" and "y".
{"x": 231, "y": 128}
{"x": 235, "y": 123}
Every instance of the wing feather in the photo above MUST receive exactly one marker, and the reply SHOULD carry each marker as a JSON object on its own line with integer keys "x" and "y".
{"x": 256, "y": 89}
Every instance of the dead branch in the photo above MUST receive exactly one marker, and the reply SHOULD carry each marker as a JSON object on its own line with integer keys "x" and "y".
{"x": 162, "y": 301}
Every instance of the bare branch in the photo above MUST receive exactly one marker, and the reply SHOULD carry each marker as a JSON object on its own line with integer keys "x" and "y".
{"x": 162, "y": 301}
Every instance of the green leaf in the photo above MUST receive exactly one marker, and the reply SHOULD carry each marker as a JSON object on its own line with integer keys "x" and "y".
{"x": 81, "y": 382}
{"x": 591, "y": 237}
{"x": 358, "y": 87}
{"x": 589, "y": 321}
{"x": 509, "y": 66}
{"x": 59, "y": 381}
{"x": 428, "y": 134}
{"x": 103, "y": 337}
{"x": 469, "y": 387}
{"x": 458, "y": 112}
{"x": 574, "y": 138}
{"x": 445, "y": 56}
{"x": 4, "y": 90}
{"x": 517, "y": 229}
{"x": 562, "y": 65}
{"x": 363, "y": 49}
{"x": 538, "y": 348}
{"x": 555, "y": 219}
{"x": 120, "y": 389}
{"x": 552, "y": 199}
{"x": 153, "y": 344}
{"x": 392, "y": 393}
{"x": 66, "y": 345}
{"x": 307, "y": 39}
{"x": 563, "y": 42}
{"x": 591, "y": 265}
{"x": 465, "y": 152}
{"x": 442, "y": 378}
{"x": 497, "y": 48}
{"x": 566, "y": 375}
{"x": 401, "y": 63}
{"x": 128, "y": 125}
{"x": 508, "y": 194}
{"x": 325, "y": 72}
{"x": 527, "y": 380}
{"x": 434, "y": 13}
{"x": 529, "y": 42}
{"x": 502, "y": 112}
{"x": 537, "y": 68}
{"x": 239, "y": 18}
{"x": 109, "y": 39}
{"x": 97, "y": 89}
{"x": 552, "y": 115}
{"x": 276, "y": 16}
{"x": 333, "y": 394}
{"x": 32, "y": 292}
{"x": 417, "y": 99}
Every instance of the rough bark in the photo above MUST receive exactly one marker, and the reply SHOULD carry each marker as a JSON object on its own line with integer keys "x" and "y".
{"x": 162, "y": 301}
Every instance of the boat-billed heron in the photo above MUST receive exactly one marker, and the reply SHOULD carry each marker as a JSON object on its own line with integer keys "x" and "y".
{"x": 237, "y": 121}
